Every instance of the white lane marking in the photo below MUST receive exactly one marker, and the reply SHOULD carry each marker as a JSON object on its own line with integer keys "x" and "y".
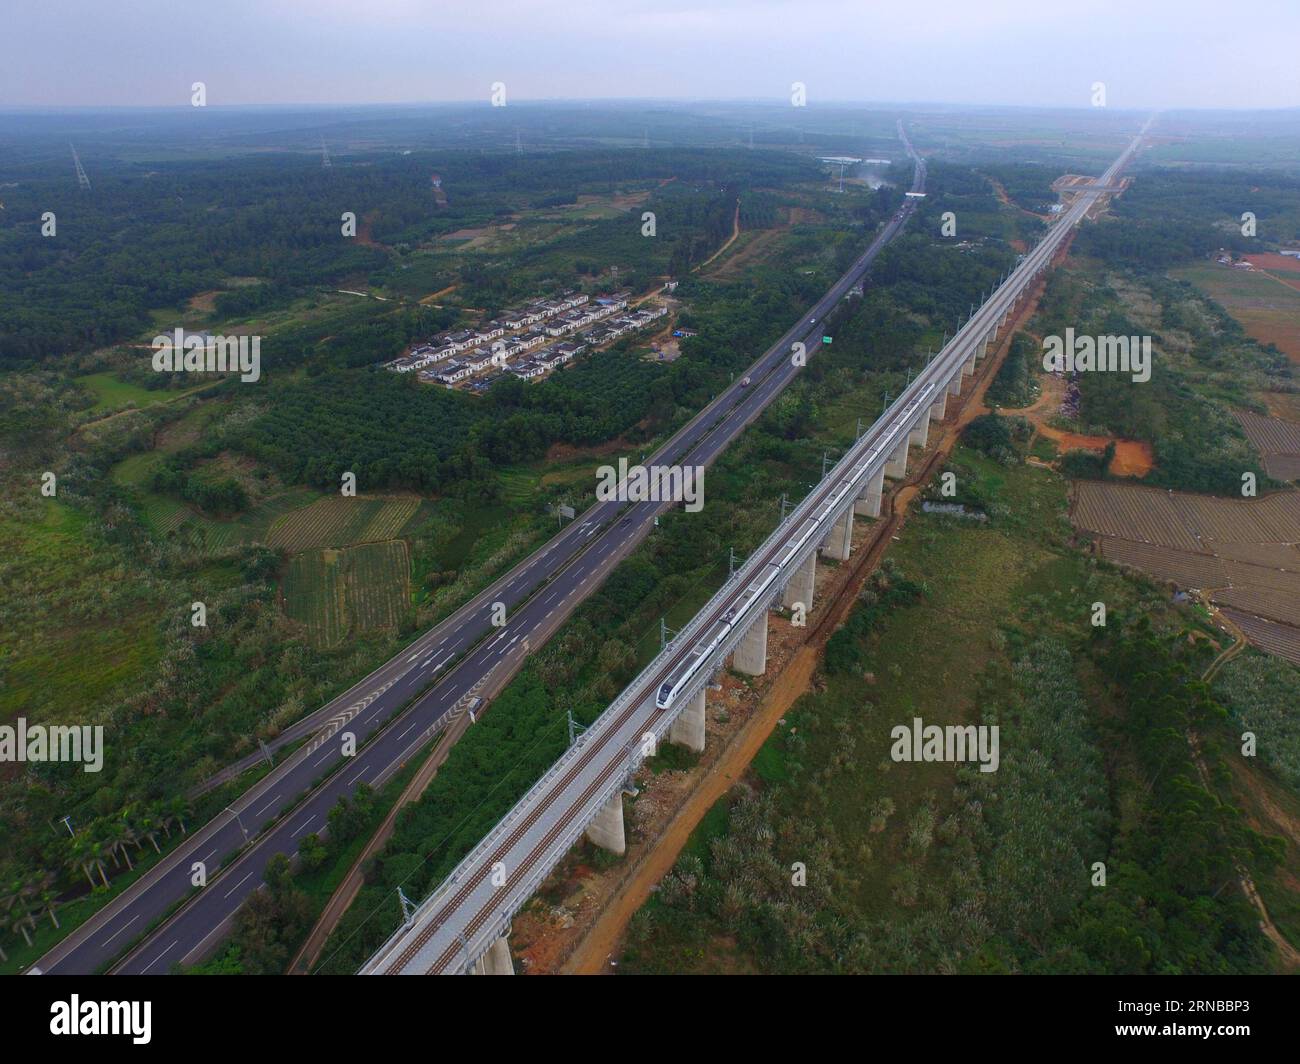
{"x": 358, "y": 776}
{"x": 239, "y": 884}
{"x": 210, "y": 934}
{"x": 408, "y": 728}
{"x": 162, "y": 955}
{"x": 257, "y": 811}
{"x": 328, "y": 753}
{"x": 122, "y": 928}
{"x": 301, "y": 825}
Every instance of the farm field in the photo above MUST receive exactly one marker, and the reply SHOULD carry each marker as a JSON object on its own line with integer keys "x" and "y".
{"x": 332, "y": 592}
{"x": 1280, "y": 639}
{"x": 1280, "y": 267}
{"x": 166, "y": 515}
{"x": 1267, "y": 307}
{"x": 1182, "y": 520}
{"x": 1243, "y": 554}
{"x": 337, "y": 522}
{"x": 1277, "y": 441}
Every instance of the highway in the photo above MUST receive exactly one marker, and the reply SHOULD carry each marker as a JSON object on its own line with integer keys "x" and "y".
{"x": 458, "y": 657}
{"x": 471, "y": 909}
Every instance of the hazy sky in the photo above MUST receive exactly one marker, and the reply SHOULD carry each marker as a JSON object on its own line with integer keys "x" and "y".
{"x": 1149, "y": 53}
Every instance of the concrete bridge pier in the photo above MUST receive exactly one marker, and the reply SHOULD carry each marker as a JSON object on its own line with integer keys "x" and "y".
{"x": 496, "y": 961}
{"x": 606, "y": 831}
{"x": 896, "y": 467}
{"x": 802, "y": 584}
{"x": 939, "y": 407}
{"x": 688, "y": 728}
{"x": 750, "y": 656}
{"x": 868, "y": 504}
{"x": 919, "y": 434}
{"x": 839, "y": 541}
{"x": 968, "y": 368}
{"x": 954, "y": 385}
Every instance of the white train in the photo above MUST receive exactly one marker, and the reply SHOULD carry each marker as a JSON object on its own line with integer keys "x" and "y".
{"x": 773, "y": 572}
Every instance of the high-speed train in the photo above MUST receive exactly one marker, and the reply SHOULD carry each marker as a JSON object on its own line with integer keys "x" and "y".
{"x": 773, "y": 572}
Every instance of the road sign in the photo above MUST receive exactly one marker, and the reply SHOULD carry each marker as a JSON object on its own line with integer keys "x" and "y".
{"x": 826, "y": 339}
{"x": 565, "y": 511}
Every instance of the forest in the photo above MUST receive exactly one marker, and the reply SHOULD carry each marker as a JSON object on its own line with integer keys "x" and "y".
{"x": 149, "y": 236}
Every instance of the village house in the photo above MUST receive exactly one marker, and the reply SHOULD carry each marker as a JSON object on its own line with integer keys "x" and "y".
{"x": 528, "y": 370}
{"x": 454, "y": 371}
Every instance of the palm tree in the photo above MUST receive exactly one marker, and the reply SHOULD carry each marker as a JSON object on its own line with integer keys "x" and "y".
{"x": 97, "y": 850}
{"x": 165, "y": 817}
{"x": 49, "y": 902}
{"x": 115, "y": 835}
{"x": 146, "y": 822}
{"x": 91, "y": 851}
{"x": 179, "y": 808}
{"x": 22, "y": 918}
{"x": 74, "y": 856}
{"x": 8, "y": 893}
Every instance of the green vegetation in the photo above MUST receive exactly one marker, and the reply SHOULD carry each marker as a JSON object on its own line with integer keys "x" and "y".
{"x": 1262, "y": 693}
{"x": 997, "y": 436}
{"x": 597, "y": 652}
{"x": 1202, "y": 366}
{"x": 1170, "y": 216}
{"x": 332, "y": 592}
{"x": 934, "y": 867}
{"x": 1016, "y": 382}
{"x": 228, "y": 496}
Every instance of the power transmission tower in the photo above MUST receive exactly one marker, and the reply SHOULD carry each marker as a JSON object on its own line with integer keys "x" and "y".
{"x": 666, "y": 634}
{"x": 575, "y": 729}
{"x": 519, "y": 143}
{"x": 325, "y": 161}
{"x": 82, "y": 180}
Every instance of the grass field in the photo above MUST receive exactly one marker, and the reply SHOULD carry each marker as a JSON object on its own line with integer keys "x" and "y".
{"x": 332, "y": 592}
{"x": 70, "y": 631}
{"x": 1267, "y": 308}
{"x": 111, "y": 393}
